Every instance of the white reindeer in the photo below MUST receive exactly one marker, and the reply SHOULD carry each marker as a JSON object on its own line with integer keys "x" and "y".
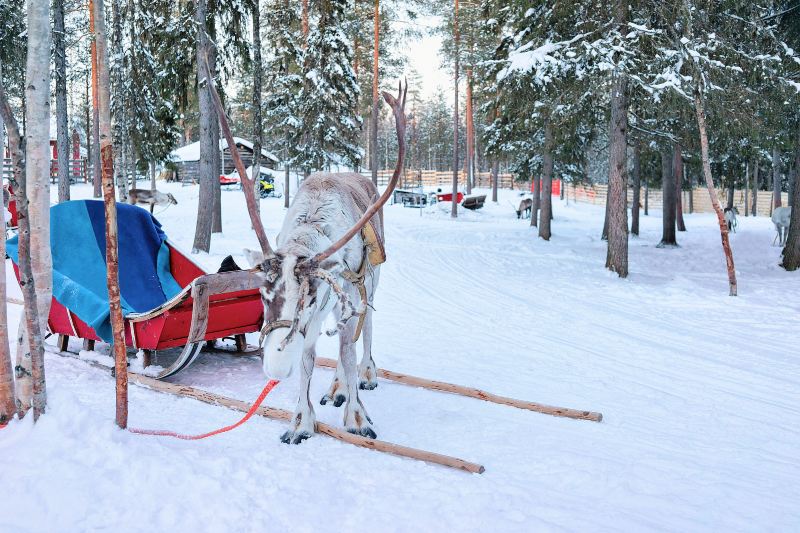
{"x": 781, "y": 217}
{"x": 311, "y": 271}
{"x": 730, "y": 218}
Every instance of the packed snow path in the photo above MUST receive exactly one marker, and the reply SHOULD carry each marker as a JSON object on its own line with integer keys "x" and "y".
{"x": 700, "y": 394}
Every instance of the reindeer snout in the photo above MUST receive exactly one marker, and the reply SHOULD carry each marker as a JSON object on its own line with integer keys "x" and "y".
{"x": 278, "y": 364}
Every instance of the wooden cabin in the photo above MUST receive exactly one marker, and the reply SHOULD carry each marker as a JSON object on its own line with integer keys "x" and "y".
{"x": 185, "y": 161}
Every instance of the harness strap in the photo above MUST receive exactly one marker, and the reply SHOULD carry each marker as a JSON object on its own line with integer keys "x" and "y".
{"x": 268, "y": 327}
{"x": 357, "y": 279}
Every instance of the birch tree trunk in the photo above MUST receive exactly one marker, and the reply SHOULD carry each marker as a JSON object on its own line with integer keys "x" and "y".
{"x": 536, "y": 203}
{"x": 747, "y": 188}
{"x": 37, "y": 178}
{"x": 96, "y": 174}
{"x": 754, "y": 209}
{"x": 637, "y": 185}
{"x": 286, "y": 179}
{"x": 776, "y": 179}
{"x": 668, "y": 209}
{"x": 547, "y": 180}
{"x": 373, "y": 124}
{"x": 470, "y": 134}
{"x": 617, "y": 254}
{"x": 454, "y": 206}
{"x": 791, "y": 251}
{"x": 7, "y": 393}
{"x": 495, "y": 177}
{"x": 202, "y": 235}
{"x": 62, "y": 128}
{"x": 112, "y": 249}
{"x": 677, "y": 169}
{"x": 258, "y": 127}
{"x": 723, "y": 227}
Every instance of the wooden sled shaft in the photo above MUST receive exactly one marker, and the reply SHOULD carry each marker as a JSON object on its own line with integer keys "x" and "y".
{"x": 478, "y": 394}
{"x": 325, "y": 429}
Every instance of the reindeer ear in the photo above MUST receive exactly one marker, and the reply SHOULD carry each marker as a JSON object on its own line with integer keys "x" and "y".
{"x": 254, "y": 257}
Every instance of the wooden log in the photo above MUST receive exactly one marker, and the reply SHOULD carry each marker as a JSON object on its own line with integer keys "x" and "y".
{"x": 325, "y": 429}
{"x": 475, "y": 393}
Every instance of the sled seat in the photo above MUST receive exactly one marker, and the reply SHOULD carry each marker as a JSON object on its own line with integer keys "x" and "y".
{"x": 473, "y": 202}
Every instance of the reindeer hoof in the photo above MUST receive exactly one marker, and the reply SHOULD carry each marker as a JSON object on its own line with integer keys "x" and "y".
{"x": 367, "y": 385}
{"x": 367, "y": 432}
{"x": 290, "y": 437}
{"x": 337, "y": 400}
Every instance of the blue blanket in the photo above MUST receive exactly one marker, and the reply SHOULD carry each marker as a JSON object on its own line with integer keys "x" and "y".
{"x": 78, "y": 244}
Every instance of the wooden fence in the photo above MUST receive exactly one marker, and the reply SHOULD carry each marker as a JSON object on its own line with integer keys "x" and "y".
{"x": 694, "y": 201}
{"x": 78, "y": 170}
{"x": 434, "y": 178}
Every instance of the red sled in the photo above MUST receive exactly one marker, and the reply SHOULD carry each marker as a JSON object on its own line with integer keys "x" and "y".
{"x": 208, "y": 307}
{"x": 448, "y": 197}
{"x": 12, "y": 207}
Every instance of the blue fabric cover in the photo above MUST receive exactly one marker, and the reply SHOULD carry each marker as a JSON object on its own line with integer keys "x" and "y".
{"x": 78, "y": 245}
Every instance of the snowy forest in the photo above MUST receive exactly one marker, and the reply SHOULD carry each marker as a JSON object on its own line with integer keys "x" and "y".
{"x": 581, "y": 202}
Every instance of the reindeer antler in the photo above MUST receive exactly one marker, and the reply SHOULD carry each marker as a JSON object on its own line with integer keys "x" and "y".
{"x": 248, "y": 185}
{"x": 398, "y": 106}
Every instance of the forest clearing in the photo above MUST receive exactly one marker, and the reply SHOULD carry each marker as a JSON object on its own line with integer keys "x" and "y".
{"x": 699, "y": 402}
{"x": 405, "y": 266}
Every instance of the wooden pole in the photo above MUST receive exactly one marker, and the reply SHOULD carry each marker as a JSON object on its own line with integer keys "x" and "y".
{"x": 474, "y": 393}
{"x": 109, "y": 200}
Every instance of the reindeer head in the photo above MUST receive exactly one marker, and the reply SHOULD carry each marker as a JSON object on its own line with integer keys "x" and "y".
{"x": 172, "y": 199}
{"x": 300, "y": 287}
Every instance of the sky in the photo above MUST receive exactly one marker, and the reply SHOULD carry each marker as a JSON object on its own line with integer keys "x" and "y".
{"x": 424, "y": 55}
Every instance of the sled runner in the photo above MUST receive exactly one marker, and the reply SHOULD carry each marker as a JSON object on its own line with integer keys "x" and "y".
{"x": 168, "y": 301}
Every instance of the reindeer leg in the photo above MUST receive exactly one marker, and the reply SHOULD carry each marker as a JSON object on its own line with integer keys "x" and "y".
{"x": 303, "y": 421}
{"x": 356, "y": 419}
{"x": 367, "y": 372}
{"x": 337, "y": 393}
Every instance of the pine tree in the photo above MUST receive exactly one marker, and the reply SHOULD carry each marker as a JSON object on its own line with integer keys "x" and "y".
{"x": 328, "y": 114}
{"x": 283, "y": 82}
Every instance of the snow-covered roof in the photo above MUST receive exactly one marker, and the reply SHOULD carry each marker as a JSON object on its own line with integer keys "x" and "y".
{"x": 191, "y": 152}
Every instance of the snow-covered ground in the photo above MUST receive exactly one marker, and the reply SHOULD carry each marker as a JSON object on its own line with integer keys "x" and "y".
{"x": 700, "y": 394}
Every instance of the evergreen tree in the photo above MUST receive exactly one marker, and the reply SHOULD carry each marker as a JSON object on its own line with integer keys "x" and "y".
{"x": 330, "y": 125}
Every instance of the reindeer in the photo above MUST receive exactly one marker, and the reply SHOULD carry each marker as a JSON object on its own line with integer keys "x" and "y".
{"x": 321, "y": 265}
{"x": 524, "y": 209}
{"x": 730, "y": 218}
{"x": 151, "y": 198}
{"x": 781, "y": 217}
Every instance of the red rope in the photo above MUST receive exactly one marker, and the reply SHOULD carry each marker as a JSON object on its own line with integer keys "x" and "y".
{"x": 165, "y": 433}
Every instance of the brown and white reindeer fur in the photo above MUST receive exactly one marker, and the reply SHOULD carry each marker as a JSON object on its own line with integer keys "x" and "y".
{"x": 307, "y": 275}
{"x": 148, "y": 197}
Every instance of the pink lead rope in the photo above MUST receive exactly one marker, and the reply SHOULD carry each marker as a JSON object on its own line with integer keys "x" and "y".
{"x": 165, "y": 433}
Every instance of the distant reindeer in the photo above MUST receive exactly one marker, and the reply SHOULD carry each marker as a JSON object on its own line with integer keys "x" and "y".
{"x": 730, "y": 218}
{"x": 524, "y": 209}
{"x": 151, "y": 198}
{"x": 781, "y": 217}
